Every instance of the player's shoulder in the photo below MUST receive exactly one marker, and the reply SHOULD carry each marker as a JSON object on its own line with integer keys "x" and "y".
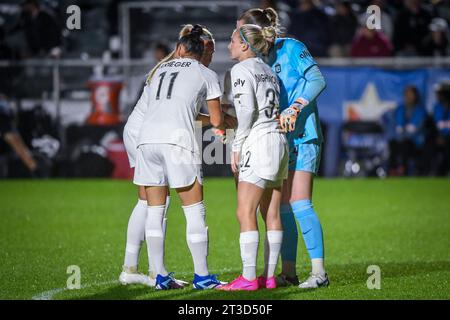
{"x": 207, "y": 73}
{"x": 243, "y": 67}
{"x": 290, "y": 45}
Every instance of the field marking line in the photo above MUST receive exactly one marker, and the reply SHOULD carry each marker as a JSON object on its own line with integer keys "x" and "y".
{"x": 48, "y": 295}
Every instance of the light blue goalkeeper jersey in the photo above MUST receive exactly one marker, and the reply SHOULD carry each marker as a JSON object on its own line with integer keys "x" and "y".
{"x": 290, "y": 60}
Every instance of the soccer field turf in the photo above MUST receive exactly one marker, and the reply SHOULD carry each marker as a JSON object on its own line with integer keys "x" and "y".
{"x": 400, "y": 225}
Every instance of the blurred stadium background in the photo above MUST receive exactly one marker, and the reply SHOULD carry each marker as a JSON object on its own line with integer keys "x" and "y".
{"x": 67, "y": 93}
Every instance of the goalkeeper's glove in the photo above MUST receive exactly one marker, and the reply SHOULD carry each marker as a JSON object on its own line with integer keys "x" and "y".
{"x": 288, "y": 117}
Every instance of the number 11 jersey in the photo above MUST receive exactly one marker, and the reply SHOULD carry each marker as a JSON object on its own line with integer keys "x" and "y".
{"x": 174, "y": 98}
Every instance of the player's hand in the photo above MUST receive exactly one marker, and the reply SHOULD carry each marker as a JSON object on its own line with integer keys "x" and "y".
{"x": 235, "y": 161}
{"x": 288, "y": 117}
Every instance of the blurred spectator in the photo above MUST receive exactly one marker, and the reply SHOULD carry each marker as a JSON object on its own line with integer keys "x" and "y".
{"x": 441, "y": 117}
{"x": 161, "y": 51}
{"x": 436, "y": 43}
{"x": 406, "y": 149}
{"x": 11, "y": 139}
{"x": 42, "y": 32}
{"x": 411, "y": 28}
{"x": 370, "y": 43}
{"x": 344, "y": 25}
{"x": 311, "y": 25}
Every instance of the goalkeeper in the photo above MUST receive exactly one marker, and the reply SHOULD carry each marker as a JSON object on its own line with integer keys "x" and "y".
{"x": 301, "y": 83}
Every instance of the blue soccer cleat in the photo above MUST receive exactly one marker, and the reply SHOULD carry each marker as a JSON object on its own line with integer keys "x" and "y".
{"x": 206, "y": 282}
{"x": 167, "y": 282}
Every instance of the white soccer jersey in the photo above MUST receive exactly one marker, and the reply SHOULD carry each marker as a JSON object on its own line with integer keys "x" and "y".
{"x": 136, "y": 117}
{"x": 175, "y": 94}
{"x": 256, "y": 99}
{"x": 227, "y": 97}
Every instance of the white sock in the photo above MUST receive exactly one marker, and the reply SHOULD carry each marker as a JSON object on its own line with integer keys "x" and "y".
{"x": 165, "y": 215}
{"x": 135, "y": 234}
{"x": 317, "y": 266}
{"x": 197, "y": 236}
{"x": 155, "y": 239}
{"x": 249, "y": 251}
{"x": 274, "y": 239}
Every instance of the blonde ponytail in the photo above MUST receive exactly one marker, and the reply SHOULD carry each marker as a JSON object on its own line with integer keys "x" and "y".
{"x": 150, "y": 75}
{"x": 258, "y": 39}
{"x": 269, "y": 33}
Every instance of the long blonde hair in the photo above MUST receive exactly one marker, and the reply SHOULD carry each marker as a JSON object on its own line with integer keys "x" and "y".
{"x": 207, "y": 36}
{"x": 257, "y": 38}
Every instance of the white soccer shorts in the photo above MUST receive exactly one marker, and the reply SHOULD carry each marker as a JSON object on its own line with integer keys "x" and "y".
{"x": 264, "y": 162}
{"x": 166, "y": 165}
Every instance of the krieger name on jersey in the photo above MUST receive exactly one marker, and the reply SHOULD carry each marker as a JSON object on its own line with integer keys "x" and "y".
{"x": 175, "y": 64}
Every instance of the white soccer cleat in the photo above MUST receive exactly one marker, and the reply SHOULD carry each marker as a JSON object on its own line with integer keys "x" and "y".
{"x": 127, "y": 278}
{"x": 315, "y": 281}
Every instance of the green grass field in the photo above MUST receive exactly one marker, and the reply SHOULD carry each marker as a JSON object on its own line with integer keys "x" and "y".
{"x": 401, "y": 225}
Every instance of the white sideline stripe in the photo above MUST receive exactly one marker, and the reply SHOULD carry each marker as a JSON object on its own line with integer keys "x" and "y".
{"x": 48, "y": 295}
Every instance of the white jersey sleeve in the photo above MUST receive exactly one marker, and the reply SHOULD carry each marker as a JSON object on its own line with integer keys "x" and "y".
{"x": 136, "y": 117}
{"x": 243, "y": 90}
{"x": 213, "y": 90}
{"x": 227, "y": 97}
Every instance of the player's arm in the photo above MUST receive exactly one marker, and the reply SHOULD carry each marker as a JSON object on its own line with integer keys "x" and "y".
{"x": 244, "y": 110}
{"x": 315, "y": 84}
{"x": 213, "y": 95}
{"x": 244, "y": 102}
{"x": 215, "y": 118}
{"x": 215, "y": 113}
{"x": 143, "y": 103}
{"x": 227, "y": 102}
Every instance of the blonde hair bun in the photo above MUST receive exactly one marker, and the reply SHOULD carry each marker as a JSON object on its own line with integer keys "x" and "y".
{"x": 269, "y": 33}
